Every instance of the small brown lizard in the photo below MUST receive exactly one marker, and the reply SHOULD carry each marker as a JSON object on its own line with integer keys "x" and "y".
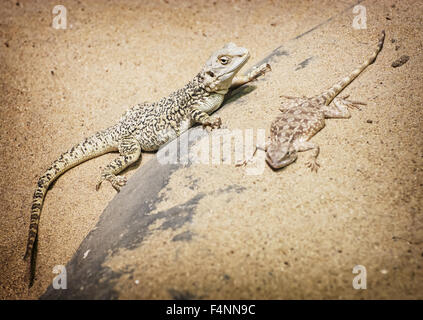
{"x": 302, "y": 118}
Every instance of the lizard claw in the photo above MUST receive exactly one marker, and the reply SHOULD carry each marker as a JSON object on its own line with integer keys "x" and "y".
{"x": 119, "y": 182}
{"x": 351, "y": 103}
{"x": 246, "y": 161}
{"x": 264, "y": 68}
{"x": 213, "y": 123}
{"x": 313, "y": 165}
{"x": 98, "y": 185}
{"x": 241, "y": 164}
{"x": 260, "y": 71}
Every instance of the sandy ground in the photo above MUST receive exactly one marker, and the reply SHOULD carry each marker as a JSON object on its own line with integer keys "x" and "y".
{"x": 304, "y": 231}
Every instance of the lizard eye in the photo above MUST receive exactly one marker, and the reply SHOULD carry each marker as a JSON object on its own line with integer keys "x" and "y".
{"x": 224, "y": 60}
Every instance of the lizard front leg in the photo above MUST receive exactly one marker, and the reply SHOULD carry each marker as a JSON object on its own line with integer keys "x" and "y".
{"x": 254, "y": 74}
{"x": 301, "y": 146}
{"x": 130, "y": 152}
{"x": 207, "y": 121}
{"x": 250, "y": 159}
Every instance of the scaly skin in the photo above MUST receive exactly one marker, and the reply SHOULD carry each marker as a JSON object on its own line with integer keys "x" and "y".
{"x": 148, "y": 126}
{"x": 302, "y": 118}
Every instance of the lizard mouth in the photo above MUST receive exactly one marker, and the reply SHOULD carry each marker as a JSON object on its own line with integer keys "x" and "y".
{"x": 234, "y": 70}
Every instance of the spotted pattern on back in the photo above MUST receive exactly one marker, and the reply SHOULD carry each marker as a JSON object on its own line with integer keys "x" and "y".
{"x": 299, "y": 121}
{"x": 302, "y": 118}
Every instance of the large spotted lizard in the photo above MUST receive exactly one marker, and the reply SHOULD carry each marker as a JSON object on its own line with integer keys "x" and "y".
{"x": 302, "y": 118}
{"x": 148, "y": 126}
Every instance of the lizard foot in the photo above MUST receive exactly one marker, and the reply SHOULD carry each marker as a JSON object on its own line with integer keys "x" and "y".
{"x": 116, "y": 181}
{"x": 246, "y": 161}
{"x": 213, "y": 123}
{"x": 351, "y": 104}
{"x": 261, "y": 70}
{"x": 250, "y": 159}
{"x": 312, "y": 165}
{"x": 119, "y": 182}
{"x": 242, "y": 163}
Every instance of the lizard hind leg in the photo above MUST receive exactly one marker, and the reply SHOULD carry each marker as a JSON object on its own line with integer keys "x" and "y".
{"x": 130, "y": 152}
{"x": 340, "y": 108}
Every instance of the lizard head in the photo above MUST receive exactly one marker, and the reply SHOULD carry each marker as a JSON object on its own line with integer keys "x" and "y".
{"x": 222, "y": 67}
{"x": 280, "y": 154}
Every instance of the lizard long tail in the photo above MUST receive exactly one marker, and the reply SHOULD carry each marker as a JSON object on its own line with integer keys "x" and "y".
{"x": 91, "y": 147}
{"x": 330, "y": 94}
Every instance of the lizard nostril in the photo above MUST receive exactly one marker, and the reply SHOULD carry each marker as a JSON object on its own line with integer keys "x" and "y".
{"x": 210, "y": 73}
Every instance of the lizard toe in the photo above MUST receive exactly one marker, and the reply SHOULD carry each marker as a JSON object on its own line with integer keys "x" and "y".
{"x": 313, "y": 166}
{"x": 98, "y": 185}
{"x": 118, "y": 182}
